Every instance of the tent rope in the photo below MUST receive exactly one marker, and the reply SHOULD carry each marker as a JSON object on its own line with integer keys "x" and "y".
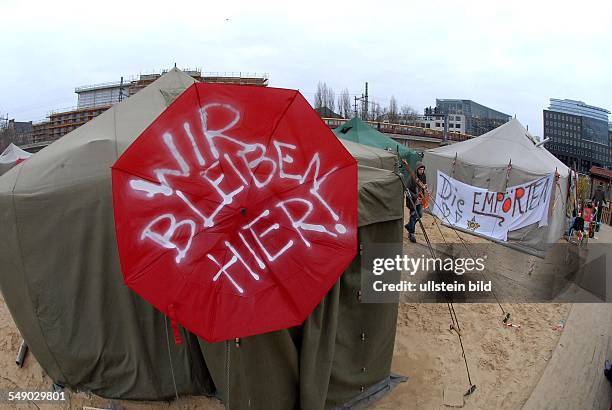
{"x": 484, "y": 277}
{"x": 508, "y": 169}
{"x": 464, "y": 243}
{"x": 170, "y": 359}
{"x": 451, "y": 308}
{"x": 449, "y": 303}
{"x": 440, "y": 230}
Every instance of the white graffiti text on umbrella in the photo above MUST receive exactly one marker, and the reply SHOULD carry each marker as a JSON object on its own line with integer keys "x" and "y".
{"x": 217, "y": 167}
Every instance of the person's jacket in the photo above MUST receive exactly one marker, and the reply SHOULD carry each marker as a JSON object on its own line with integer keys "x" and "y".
{"x": 599, "y": 196}
{"x": 414, "y": 189}
{"x": 578, "y": 224}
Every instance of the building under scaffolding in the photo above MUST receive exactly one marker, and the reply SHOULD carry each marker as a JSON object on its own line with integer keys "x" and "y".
{"x": 94, "y": 99}
{"x": 241, "y": 78}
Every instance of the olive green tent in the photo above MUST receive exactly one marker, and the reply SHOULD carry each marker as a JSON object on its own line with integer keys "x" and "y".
{"x": 61, "y": 280}
{"x": 359, "y": 131}
{"x": 370, "y": 156}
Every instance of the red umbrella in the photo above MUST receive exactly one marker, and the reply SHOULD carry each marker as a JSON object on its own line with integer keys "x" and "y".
{"x": 235, "y": 210}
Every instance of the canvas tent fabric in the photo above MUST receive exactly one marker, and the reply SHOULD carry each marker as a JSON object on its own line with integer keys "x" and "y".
{"x": 357, "y": 130}
{"x": 483, "y": 162}
{"x": 370, "y": 156}
{"x": 11, "y": 156}
{"x": 61, "y": 280}
{"x": 320, "y": 364}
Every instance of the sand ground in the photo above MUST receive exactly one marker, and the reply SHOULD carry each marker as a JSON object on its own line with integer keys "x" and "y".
{"x": 509, "y": 366}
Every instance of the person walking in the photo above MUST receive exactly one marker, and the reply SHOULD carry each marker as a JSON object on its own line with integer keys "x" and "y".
{"x": 417, "y": 189}
{"x": 599, "y": 199}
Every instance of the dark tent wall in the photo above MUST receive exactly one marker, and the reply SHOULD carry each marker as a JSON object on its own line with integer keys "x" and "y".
{"x": 61, "y": 280}
{"x": 344, "y": 348}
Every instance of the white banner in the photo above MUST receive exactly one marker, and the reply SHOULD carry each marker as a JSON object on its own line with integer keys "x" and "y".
{"x": 492, "y": 214}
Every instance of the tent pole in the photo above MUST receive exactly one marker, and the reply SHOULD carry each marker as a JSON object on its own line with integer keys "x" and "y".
{"x": 508, "y": 173}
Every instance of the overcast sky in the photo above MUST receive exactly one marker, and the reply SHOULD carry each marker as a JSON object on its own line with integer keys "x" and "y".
{"x": 510, "y": 56}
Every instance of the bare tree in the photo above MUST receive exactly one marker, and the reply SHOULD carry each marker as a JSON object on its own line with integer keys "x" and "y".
{"x": 583, "y": 188}
{"x": 330, "y": 98}
{"x": 344, "y": 103}
{"x": 375, "y": 112}
{"x": 408, "y": 115}
{"x": 318, "y": 98}
{"x": 324, "y": 97}
{"x": 393, "y": 111}
{"x": 7, "y": 135}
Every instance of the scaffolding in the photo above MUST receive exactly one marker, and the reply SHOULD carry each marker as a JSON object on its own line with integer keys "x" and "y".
{"x": 94, "y": 99}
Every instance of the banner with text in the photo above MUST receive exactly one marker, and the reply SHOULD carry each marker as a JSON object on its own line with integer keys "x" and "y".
{"x": 493, "y": 214}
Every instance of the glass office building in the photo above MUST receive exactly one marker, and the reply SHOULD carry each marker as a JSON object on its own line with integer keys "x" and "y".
{"x": 479, "y": 119}
{"x": 579, "y": 134}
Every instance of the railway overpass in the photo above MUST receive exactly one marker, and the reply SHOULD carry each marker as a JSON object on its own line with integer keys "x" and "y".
{"x": 413, "y": 137}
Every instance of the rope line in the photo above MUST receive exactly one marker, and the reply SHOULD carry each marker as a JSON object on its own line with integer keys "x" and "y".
{"x": 484, "y": 277}
{"x": 464, "y": 243}
{"x": 449, "y": 303}
{"x": 171, "y": 365}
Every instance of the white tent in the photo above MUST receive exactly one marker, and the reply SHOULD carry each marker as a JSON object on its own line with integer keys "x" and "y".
{"x": 505, "y": 157}
{"x": 11, "y": 156}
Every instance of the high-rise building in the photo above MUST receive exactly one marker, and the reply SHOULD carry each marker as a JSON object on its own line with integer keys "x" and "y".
{"x": 473, "y": 118}
{"x": 579, "y": 134}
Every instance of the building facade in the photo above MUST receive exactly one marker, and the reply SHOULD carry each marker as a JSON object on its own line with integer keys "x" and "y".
{"x": 14, "y": 132}
{"x": 579, "y": 134}
{"x": 101, "y": 94}
{"x": 475, "y": 119}
{"x": 435, "y": 120}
